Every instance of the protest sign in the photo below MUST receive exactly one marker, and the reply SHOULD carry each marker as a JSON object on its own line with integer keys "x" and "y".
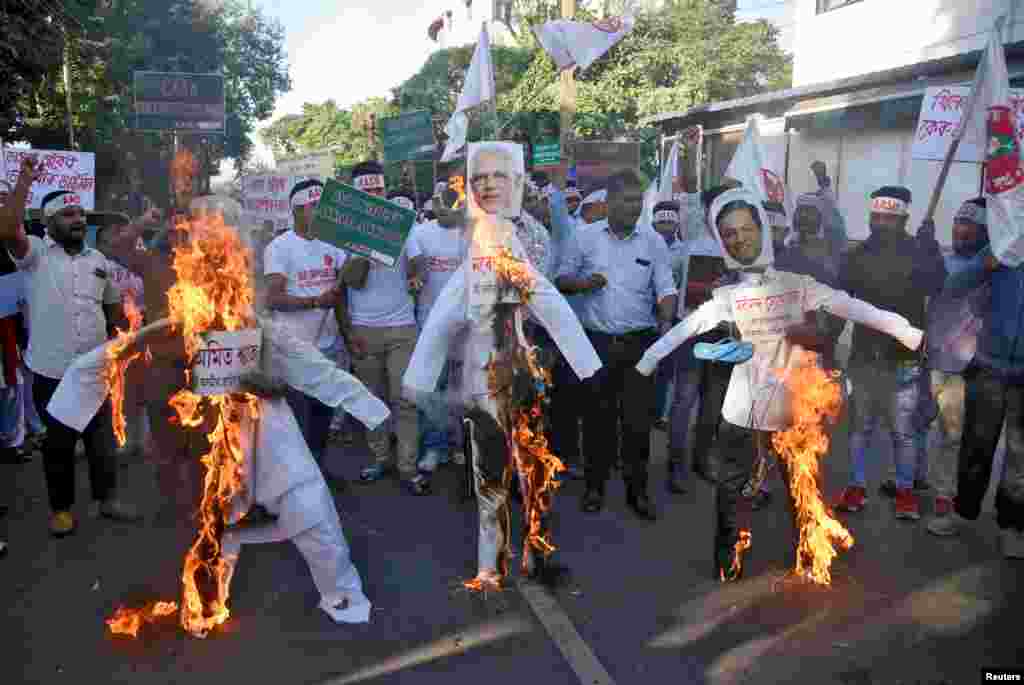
{"x": 174, "y": 101}
{"x": 763, "y": 313}
{"x": 315, "y": 165}
{"x": 408, "y": 136}
{"x": 224, "y": 358}
{"x": 62, "y": 170}
{"x": 941, "y": 112}
{"x": 362, "y": 224}
{"x": 265, "y": 198}
{"x": 12, "y": 293}
{"x": 597, "y": 161}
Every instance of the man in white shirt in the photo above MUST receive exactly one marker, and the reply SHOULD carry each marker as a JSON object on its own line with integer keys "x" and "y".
{"x": 381, "y": 334}
{"x": 436, "y": 249}
{"x": 304, "y": 293}
{"x": 72, "y": 305}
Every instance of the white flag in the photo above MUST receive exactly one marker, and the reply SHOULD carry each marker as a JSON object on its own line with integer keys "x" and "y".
{"x": 989, "y": 105}
{"x": 477, "y": 88}
{"x": 455, "y": 129}
{"x": 749, "y": 166}
{"x": 577, "y": 43}
{"x": 669, "y": 172}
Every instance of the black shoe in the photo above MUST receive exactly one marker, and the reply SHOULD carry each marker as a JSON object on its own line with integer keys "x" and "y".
{"x": 641, "y": 505}
{"x": 675, "y": 482}
{"x": 14, "y": 455}
{"x": 593, "y": 500}
{"x": 549, "y": 574}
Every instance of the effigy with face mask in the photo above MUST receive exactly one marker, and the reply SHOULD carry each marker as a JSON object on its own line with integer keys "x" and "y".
{"x": 505, "y": 387}
{"x": 767, "y": 309}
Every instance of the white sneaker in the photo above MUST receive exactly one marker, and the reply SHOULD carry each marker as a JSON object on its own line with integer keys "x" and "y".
{"x": 946, "y": 526}
{"x": 1012, "y": 543}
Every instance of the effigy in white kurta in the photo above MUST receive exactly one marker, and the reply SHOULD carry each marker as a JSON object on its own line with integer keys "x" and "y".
{"x": 281, "y": 474}
{"x": 464, "y": 316}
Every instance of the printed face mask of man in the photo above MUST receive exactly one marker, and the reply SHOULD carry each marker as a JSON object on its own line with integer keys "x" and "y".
{"x": 741, "y": 235}
{"x": 491, "y": 182}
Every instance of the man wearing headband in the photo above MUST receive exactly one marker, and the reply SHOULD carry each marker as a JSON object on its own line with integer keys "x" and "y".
{"x": 954, "y": 322}
{"x": 304, "y": 292}
{"x": 757, "y": 403}
{"x": 995, "y": 392}
{"x": 894, "y": 271}
{"x": 595, "y": 206}
{"x": 72, "y": 307}
{"x": 380, "y": 332}
{"x": 624, "y": 277}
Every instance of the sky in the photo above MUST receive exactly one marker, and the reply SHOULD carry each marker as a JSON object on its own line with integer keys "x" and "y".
{"x": 357, "y": 52}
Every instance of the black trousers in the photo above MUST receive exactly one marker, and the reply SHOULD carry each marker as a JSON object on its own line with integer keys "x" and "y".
{"x": 715, "y": 378}
{"x": 314, "y": 419}
{"x": 990, "y": 400}
{"x": 59, "y": 450}
{"x": 619, "y": 401}
{"x": 567, "y": 397}
{"x": 735, "y": 452}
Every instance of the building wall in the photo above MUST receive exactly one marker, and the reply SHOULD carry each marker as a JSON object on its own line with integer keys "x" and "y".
{"x": 874, "y": 35}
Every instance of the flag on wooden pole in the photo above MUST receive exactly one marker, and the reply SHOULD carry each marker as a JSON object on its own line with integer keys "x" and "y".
{"x": 477, "y": 89}
{"x": 579, "y": 43}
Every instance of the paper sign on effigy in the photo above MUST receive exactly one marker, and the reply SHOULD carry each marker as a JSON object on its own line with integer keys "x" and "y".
{"x": 226, "y": 357}
{"x": 941, "y": 112}
{"x": 60, "y": 170}
{"x": 763, "y": 313}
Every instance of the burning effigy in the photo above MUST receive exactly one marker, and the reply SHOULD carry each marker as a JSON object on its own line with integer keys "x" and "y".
{"x": 480, "y": 316}
{"x": 238, "y": 366}
{"x": 779, "y": 400}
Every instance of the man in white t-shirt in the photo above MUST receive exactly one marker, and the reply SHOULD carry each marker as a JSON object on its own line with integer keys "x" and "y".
{"x": 304, "y": 293}
{"x": 381, "y": 336}
{"x": 435, "y": 250}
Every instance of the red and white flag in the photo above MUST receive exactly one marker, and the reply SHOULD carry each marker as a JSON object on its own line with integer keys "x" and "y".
{"x": 750, "y": 167}
{"x": 579, "y": 43}
{"x": 989, "y": 118}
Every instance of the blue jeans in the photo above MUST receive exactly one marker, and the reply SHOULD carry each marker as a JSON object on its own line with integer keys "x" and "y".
{"x": 687, "y": 393}
{"x": 887, "y": 395}
{"x": 433, "y": 436}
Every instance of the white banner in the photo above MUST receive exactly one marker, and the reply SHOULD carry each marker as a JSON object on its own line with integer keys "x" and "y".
{"x": 265, "y": 198}
{"x": 764, "y": 313}
{"x": 63, "y": 170}
{"x": 12, "y": 293}
{"x": 218, "y": 367}
{"x": 315, "y": 165}
{"x": 941, "y": 112}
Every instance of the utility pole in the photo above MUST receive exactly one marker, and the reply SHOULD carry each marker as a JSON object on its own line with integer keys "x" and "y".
{"x": 568, "y": 99}
{"x": 69, "y": 117}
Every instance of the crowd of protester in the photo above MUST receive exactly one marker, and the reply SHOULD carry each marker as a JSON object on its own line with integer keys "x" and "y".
{"x": 628, "y": 282}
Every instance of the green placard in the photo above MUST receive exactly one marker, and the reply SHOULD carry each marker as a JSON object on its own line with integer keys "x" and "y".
{"x": 547, "y": 153}
{"x": 172, "y": 101}
{"x": 362, "y": 224}
{"x": 409, "y": 136}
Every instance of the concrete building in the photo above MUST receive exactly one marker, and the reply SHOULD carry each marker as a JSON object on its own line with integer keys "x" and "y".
{"x": 861, "y": 69}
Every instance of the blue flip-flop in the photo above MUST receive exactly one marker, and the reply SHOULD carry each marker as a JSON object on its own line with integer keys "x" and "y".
{"x": 728, "y": 351}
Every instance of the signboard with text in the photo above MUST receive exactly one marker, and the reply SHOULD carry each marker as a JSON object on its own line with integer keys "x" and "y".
{"x": 941, "y": 111}
{"x": 265, "y": 198}
{"x": 224, "y": 359}
{"x": 362, "y": 224}
{"x": 408, "y": 136}
{"x": 61, "y": 170}
{"x": 174, "y": 101}
{"x": 315, "y": 165}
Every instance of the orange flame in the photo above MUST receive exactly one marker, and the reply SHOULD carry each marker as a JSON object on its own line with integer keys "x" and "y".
{"x": 116, "y": 366}
{"x": 127, "y": 621}
{"x": 184, "y": 169}
{"x": 458, "y": 184}
{"x": 816, "y": 398}
{"x": 213, "y": 292}
{"x": 743, "y": 543}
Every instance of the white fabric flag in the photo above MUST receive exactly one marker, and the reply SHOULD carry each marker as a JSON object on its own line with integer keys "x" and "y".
{"x": 749, "y": 166}
{"x": 669, "y": 171}
{"x": 989, "y": 107}
{"x": 578, "y": 43}
{"x": 477, "y": 89}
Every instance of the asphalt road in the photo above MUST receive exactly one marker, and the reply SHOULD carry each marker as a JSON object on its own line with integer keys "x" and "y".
{"x": 641, "y": 606}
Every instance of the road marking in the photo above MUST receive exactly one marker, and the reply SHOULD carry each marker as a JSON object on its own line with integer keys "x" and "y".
{"x": 564, "y": 634}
